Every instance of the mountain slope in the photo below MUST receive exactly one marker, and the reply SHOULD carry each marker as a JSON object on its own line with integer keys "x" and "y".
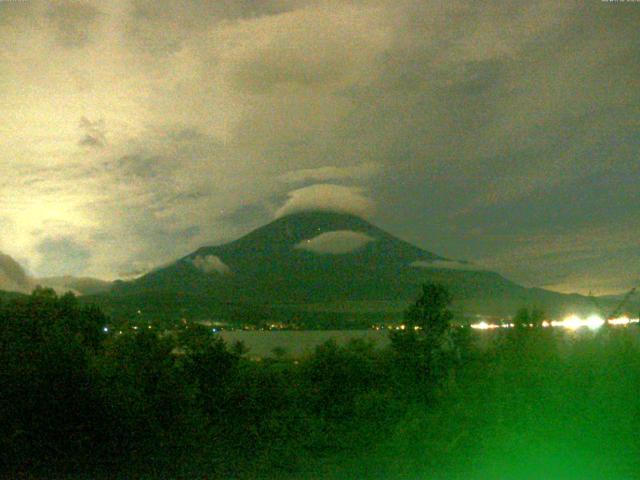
{"x": 322, "y": 258}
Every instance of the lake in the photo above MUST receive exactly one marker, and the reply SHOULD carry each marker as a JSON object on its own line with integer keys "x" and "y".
{"x": 297, "y": 343}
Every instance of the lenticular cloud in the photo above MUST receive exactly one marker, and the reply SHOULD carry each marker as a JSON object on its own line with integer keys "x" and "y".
{"x": 337, "y": 242}
{"x": 328, "y": 197}
{"x": 210, "y": 264}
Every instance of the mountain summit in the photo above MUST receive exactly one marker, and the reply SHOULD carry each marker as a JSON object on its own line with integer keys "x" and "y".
{"x": 316, "y": 238}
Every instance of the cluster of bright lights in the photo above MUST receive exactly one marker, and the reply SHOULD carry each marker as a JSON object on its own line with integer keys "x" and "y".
{"x": 572, "y": 322}
{"x": 490, "y": 326}
{"x": 624, "y": 320}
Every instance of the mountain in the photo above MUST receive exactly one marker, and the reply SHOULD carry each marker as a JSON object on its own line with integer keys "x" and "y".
{"x": 284, "y": 261}
{"x": 321, "y": 262}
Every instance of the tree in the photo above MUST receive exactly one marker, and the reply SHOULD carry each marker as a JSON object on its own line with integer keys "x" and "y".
{"x": 522, "y": 318}
{"x": 525, "y": 317}
{"x": 430, "y": 313}
{"x": 239, "y": 348}
{"x": 537, "y": 316}
{"x": 47, "y": 406}
{"x": 425, "y": 347}
{"x": 279, "y": 352}
{"x": 210, "y": 365}
{"x": 336, "y": 376}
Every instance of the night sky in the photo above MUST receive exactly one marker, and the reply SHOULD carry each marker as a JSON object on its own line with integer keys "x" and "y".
{"x": 505, "y": 133}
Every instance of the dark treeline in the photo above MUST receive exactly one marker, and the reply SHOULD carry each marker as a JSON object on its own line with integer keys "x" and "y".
{"x": 76, "y": 399}
{"x": 79, "y": 402}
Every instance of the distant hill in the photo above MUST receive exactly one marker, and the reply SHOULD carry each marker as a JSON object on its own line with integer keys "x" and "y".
{"x": 13, "y": 278}
{"x": 313, "y": 262}
{"x": 78, "y": 285}
{"x": 8, "y": 296}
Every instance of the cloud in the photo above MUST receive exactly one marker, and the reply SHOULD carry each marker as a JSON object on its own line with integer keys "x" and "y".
{"x": 598, "y": 257}
{"x": 328, "y": 197}
{"x": 73, "y": 22}
{"x": 137, "y": 269}
{"x": 181, "y": 21}
{"x": 480, "y": 117}
{"x": 361, "y": 172}
{"x": 12, "y": 275}
{"x": 275, "y": 52}
{"x": 448, "y": 264}
{"x": 210, "y": 264}
{"x": 93, "y": 133}
{"x": 62, "y": 255}
{"x": 336, "y": 242}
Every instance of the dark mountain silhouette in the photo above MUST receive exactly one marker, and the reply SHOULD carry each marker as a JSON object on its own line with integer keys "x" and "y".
{"x": 328, "y": 260}
{"x": 79, "y": 285}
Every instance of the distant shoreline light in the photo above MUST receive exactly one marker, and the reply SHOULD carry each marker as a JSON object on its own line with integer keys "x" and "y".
{"x": 571, "y": 322}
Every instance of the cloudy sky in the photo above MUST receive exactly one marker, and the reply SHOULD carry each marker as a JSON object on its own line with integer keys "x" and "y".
{"x": 505, "y": 133}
